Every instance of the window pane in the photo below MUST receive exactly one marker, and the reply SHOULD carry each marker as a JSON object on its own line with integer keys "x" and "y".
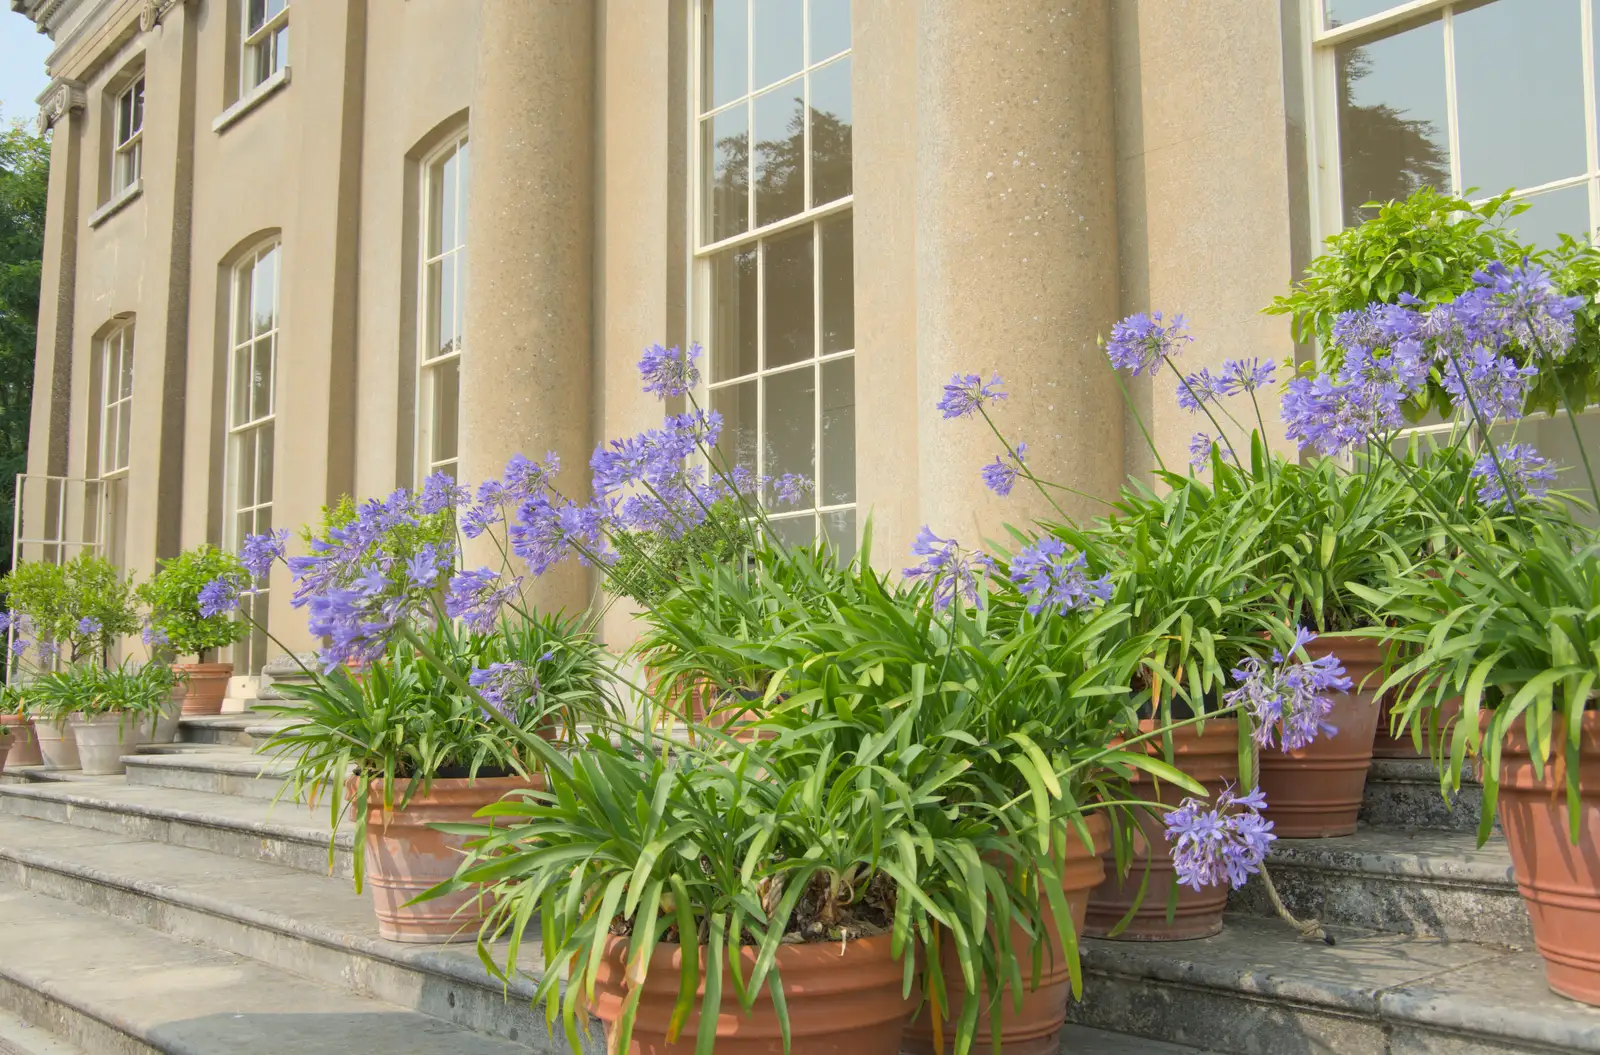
{"x": 124, "y": 425}
{"x": 1392, "y": 128}
{"x": 241, "y": 385}
{"x": 791, "y": 423}
{"x": 244, "y": 469}
{"x": 830, "y": 28}
{"x": 257, "y": 17}
{"x": 1344, "y": 12}
{"x": 264, "y": 455}
{"x": 733, "y": 314}
{"x": 280, "y": 49}
{"x": 737, "y": 405}
{"x": 261, "y": 380}
{"x": 788, "y": 282}
{"x": 447, "y": 206}
{"x": 242, "y": 321}
{"x": 1553, "y": 214}
{"x": 726, "y": 152}
{"x": 264, "y": 302}
{"x": 437, "y": 203}
{"x": 796, "y": 531}
{"x": 446, "y": 306}
{"x": 838, "y": 285}
{"x": 124, "y": 117}
{"x": 780, "y": 149}
{"x": 1519, "y": 90}
{"x": 446, "y": 401}
{"x": 839, "y": 528}
{"x": 433, "y": 291}
{"x": 830, "y": 132}
{"x": 126, "y": 356}
{"x": 726, "y": 30}
{"x": 779, "y": 39}
{"x": 138, "y": 105}
{"x": 838, "y": 432}
{"x": 461, "y": 298}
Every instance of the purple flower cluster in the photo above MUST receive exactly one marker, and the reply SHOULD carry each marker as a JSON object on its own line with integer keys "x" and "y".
{"x": 507, "y": 687}
{"x": 1520, "y": 476}
{"x": 669, "y": 371}
{"x": 1199, "y": 388}
{"x": 440, "y": 494}
{"x": 948, "y": 569}
{"x": 1051, "y": 576}
{"x": 966, "y": 394}
{"x": 259, "y": 551}
{"x": 1335, "y": 415}
{"x": 153, "y": 636}
{"x": 1000, "y": 475}
{"x": 89, "y": 625}
{"x": 1288, "y": 696}
{"x": 1246, "y": 375}
{"x": 1140, "y": 342}
{"x": 1226, "y": 843}
{"x": 793, "y": 488}
{"x": 1200, "y": 447}
{"x": 1485, "y": 383}
{"x": 476, "y": 597}
{"x": 217, "y": 597}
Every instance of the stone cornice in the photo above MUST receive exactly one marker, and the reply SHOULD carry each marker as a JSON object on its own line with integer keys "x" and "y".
{"x": 61, "y": 98}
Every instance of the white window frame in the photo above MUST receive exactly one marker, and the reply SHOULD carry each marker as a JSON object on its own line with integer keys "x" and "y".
{"x": 701, "y": 257}
{"x": 249, "y": 654}
{"x": 1323, "y": 134}
{"x": 259, "y": 42}
{"x": 114, "y": 359}
{"x": 429, "y": 368}
{"x": 127, "y": 137}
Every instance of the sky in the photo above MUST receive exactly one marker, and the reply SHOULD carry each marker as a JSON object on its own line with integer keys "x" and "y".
{"x": 22, "y": 76}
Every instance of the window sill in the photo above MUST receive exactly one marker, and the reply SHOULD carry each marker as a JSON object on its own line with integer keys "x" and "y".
{"x": 117, "y": 204}
{"x": 258, "y": 95}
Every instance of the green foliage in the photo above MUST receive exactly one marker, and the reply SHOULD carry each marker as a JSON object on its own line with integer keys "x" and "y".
{"x": 1429, "y": 246}
{"x": 650, "y": 564}
{"x": 173, "y": 596}
{"x": 407, "y": 719}
{"x": 56, "y": 599}
{"x": 24, "y": 186}
{"x": 135, "y": 690}
{"x": 400, "y": 542}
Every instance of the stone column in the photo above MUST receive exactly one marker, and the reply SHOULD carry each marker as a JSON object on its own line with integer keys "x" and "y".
{"x": 1016, "y": 248}
{"x": 526, "y": 371}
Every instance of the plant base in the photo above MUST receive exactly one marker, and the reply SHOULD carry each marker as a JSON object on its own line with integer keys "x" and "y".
{"x": 102, "y": 742}
{"x": 842, "y": 999}
{"x": 24, "y": 744}
{"x": 58, "y": 748}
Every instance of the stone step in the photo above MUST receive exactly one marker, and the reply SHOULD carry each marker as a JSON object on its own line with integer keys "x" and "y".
{"x": 219, "y": 771}
{"x": 315, "y": 927}
{"x": 284, "y": 833}
{"x": 1424, "y": 882}
{"x": 19, "y": 1037}
{"x": 1257, "y": 988}
{"x": 244, "y": 729}
{"x": 116, "y": 988}
{"x": 1404, "y": 793}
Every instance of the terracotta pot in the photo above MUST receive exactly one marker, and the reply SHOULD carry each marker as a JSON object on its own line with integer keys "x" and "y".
{"x": 5, "y": 749}
{"x": 1385, "y": 745}
{"x": 1036, "y": 1028}
{"x": 405, "y": 857}
{"x": 1212, "y": 759}
{"x": 24, "y": 745}
{"x": 104, "y": 739}
{"x": 58, "y": 748}
{"x": 1560, "y": 882}
{"x": 1315, "y": 792}
{"x": 842, "y": 1000}
{"x": 206, "y": 688}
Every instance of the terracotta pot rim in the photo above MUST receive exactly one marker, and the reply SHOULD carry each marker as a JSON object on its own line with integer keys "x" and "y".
{"x": 818, "y": 953}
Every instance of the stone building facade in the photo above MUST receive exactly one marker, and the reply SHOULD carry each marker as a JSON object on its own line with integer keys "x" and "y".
{"x": 298, "y": 249}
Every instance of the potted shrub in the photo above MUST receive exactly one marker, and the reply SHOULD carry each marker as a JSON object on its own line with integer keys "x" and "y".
{"x": 19, "y": 730}
{"x": 109, "y": 711}
{"x": 189, "y": 624}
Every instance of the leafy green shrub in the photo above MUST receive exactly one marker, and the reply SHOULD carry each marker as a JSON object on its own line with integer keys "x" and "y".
{"x": 650, "y": 564}
{"x": 83, "y": 605}
{"x": 173, "y": 595}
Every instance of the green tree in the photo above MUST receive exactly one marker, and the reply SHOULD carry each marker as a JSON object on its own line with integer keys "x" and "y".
{"x": 24, "y": 185}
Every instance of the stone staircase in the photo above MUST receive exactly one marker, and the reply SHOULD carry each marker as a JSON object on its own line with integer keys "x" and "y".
{"x": 179, "y": 910}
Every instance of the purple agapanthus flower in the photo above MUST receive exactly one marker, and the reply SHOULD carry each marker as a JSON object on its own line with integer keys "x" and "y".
{"x": 1289, "y": 697}
{"x": 1225, "y": 843}
{"x": 218, "y": 596}
{"x": 669, "y": 371}
{"x": 1526, "y": 308}
{"x": 440, "y": 493}
{"x": 258, "y": 552}
{"x": 966, "y": 394}
{"x": 153, "y": 636}
{"x": 476, "y": 597}
{"x": 948, "y": 569}
{"x": 1198, "y": 389}
{"x": 1000, "y": 475}
{"x": 793, "y": 488}
{"x": 1245, "y": 375}
{"x": 1052, "y": 576}
{"x": 89, "y": 625}
{"x": 507, "y": 687}
{"x": 1201, "y": 445}
{"x": 1521, "y": 475}
{"x": 430, "y": 561}
{"x": 1486, "y": 383}
{"x": 1140, "y": 342}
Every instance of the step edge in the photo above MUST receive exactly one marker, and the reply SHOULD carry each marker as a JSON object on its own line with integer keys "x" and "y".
{"x": 343, "y": 838}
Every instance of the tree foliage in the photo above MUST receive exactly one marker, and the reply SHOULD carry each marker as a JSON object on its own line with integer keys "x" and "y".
{"x": 24, "y": 184}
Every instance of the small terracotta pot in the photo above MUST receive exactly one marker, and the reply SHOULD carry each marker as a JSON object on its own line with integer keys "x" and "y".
{"x": 841, "y": 999}
{"x": 1036, "y": 1028}
{"x": 1212, "y": 759}
{"x": 405, "y": 857}
{"x": 58, "y": 748}
{"x": 1560, "y": 882}
{"x": 206, "y": 688}
{"x": 24, "y": 745}
{"x": 104, "y": 739}
{"x": 1386, "y": 745}
{"x": 5, "y": 749}
{"x": 1315, "y": 792}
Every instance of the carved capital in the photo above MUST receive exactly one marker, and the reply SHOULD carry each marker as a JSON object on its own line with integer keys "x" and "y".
{"x": 153, "y": 11}
{"x": 61, "y": 98}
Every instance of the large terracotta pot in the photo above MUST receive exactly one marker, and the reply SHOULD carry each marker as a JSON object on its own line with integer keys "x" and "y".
{"x": 405, "y": 857}
{"x": 1315, "y": 792}
{"x": 842, "y": 999}
{"x": 206, "y": 688}
{"x": 1036, "y": 1028}
{"x": 104, "y": 739}
{"x": 24, "y": 745}
{"x": 58, "y": 748}
{"x": 1212, "y": 759}
{"x": 1560, "y": 882}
